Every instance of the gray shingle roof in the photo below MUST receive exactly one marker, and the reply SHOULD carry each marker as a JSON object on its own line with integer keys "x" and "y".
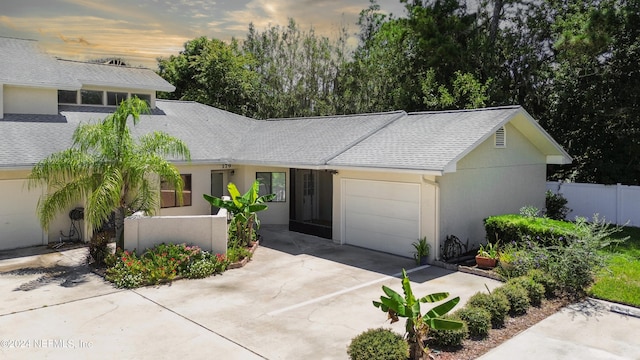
{"x": 115, "y": 76}
{"x": 23, "y": 63}
{"x": 426, "y": 141}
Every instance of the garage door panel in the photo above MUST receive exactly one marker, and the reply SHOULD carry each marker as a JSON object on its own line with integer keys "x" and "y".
{"x": 19, "y": 225}
{"x": 383, "y": 216}
{"x": 382, "y": 207}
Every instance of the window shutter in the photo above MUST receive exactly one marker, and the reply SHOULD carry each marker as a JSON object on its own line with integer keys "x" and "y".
{"x": 501, "y": 138}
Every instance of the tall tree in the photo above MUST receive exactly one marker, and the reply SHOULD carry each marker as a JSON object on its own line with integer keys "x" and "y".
{"x": 212, "y": 72}
{"x": 109, "y": 170}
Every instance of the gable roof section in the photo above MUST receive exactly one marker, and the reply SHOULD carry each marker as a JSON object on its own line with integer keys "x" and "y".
{"x": 115, "y": 76}
{"x": 24, "y": 64}
{"x": 435, "y": 141}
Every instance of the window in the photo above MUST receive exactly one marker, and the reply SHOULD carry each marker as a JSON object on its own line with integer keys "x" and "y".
{"x": 115, "y": 98}
{"x": 169, "y": 196}
{"x": 91, "y": 97}
{"x": 145, "y": 97}
{"x": 501, "y": 138}
{"x": 67, "y": 97}
{"x": 272, "y": 183}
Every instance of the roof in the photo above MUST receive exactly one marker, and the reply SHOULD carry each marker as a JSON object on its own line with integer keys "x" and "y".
{"x": 115, "y": 76}
{"x": 24, "y": 64}
{"x": 424, "y": 142}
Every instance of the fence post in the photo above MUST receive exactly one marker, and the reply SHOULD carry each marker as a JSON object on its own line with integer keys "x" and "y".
{"x": 619, "y": 200}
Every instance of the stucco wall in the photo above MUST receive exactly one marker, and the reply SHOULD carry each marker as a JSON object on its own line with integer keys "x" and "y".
{"x": 209, "y": 232}
{"x": 428, "y": 207}
{"x": 278, "y": 212}
{"x": 491, "y": 181}
{"x": 24, "y": 100}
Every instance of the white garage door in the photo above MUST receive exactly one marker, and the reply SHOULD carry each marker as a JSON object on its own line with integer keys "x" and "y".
{"x": 19, "y": 225}
{"x": 380, "y": 215}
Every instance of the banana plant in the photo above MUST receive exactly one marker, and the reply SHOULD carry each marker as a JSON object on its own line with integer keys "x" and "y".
{"x": 417, "y": 325}
{"x": 243, "y": 208}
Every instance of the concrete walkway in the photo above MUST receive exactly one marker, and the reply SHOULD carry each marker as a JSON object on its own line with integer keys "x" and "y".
{"x": 301, "y": 297}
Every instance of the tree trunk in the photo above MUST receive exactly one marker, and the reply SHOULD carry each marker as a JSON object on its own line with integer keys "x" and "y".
{"x": 119, "y": 225}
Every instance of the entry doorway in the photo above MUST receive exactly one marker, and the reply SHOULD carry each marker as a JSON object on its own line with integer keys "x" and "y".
{"x": 217, "y": 188}
{"x": 311, "y": 206}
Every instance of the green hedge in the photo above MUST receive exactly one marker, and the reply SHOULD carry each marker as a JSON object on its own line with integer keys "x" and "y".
{"x": 511, "y": 227}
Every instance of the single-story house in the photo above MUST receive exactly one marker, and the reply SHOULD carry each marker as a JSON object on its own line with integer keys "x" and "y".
{"x": 379, "y": 181}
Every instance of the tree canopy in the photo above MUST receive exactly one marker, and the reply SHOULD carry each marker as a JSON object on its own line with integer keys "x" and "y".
{"x": 571, "y": 64}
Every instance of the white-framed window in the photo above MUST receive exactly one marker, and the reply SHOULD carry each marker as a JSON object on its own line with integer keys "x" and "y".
{"x": 115, "y": 98}
{"x": 169, "y": 196}
{"x": 92, "y": 97}
{"x": 272, "y": 183}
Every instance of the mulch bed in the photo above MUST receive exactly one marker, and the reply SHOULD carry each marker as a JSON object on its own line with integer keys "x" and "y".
{"x": 472, "y": 349}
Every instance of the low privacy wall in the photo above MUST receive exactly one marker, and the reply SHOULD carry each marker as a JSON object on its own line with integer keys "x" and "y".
{"x": 209, "y": 232}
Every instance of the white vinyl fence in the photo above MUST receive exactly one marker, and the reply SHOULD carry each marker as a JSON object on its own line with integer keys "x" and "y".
{"x": 617, "y": 204}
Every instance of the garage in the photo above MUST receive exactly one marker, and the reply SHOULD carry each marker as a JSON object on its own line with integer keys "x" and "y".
{"x": 381, "y": 215}
{"x": 19, "y": 224}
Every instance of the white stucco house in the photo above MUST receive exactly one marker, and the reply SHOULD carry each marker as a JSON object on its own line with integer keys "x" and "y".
{"x": 379, "y": 181}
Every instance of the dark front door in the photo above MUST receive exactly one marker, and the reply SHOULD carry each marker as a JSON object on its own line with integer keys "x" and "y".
{"x": 312, "y": 202}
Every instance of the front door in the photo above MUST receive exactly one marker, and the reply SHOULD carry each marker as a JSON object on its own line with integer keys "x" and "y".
{"x": 217, "y": 188}
{"x": 312, "y": 202}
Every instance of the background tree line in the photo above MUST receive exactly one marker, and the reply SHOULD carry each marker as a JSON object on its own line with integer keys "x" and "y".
{"x": 572, "y": 64}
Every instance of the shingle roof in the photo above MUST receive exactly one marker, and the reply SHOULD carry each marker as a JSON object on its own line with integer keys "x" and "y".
{"x": 115, "y": 76}
{"x": 23, "y": 63}
{"x": 427, "y": 140}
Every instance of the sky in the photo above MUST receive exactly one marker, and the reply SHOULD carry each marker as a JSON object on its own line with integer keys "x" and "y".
{"x": 140, "y": 31}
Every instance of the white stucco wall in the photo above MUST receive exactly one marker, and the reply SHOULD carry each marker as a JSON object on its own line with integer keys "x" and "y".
{"x": 25, "y": 100}
{"x": 209, "y": 232}
{"x": 491, "y": 181}
{"x": 428, "y": 207}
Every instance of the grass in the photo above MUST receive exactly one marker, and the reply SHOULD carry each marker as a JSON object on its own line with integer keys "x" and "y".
{"x": 619, "y": 281}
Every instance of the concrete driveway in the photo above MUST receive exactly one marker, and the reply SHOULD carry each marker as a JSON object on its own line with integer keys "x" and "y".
{"x": 301, "y": 297}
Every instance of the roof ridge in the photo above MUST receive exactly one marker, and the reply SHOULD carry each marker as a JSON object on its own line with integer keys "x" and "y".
{"x": 466, "y": 110}
{"x": 101, "y": 64}
{"x": 17, "y": 38}
{"x": 401, "y": 114}
{"x": 337, "y": 115}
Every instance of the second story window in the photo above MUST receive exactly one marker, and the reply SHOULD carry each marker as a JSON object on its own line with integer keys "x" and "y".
{"x": 115, "y": 98}
{"x": 67, "y": 97}
{"x": 91, "y": 97}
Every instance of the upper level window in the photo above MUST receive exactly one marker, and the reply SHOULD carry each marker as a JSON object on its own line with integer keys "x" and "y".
{"x": 169, "y": 196}
{"x": 67, "y": 97}
{"x": 272, "y": 183}
{"x": 91, "y": 97}
{"x": 115, "y": 98}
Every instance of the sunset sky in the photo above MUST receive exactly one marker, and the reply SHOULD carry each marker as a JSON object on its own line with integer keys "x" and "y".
{"x": 142, "y": 30}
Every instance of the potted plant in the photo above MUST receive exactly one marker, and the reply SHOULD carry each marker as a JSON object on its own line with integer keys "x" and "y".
{"x": 487, "y": 256}
{"x": 422, "y": 251}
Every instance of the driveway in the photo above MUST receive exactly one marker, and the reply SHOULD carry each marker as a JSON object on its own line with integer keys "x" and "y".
{"x": 300, "y": 297}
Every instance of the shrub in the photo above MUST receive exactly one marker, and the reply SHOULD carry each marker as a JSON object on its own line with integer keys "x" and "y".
{"x": 99, "y": 248}
{"x": 535, "y": 291}
{"x": 478, "y": 320}
{"x": 162, "y": 263}
{"x": 448, "y": 338}
{"x": 556, "y": 205}
{"x": 378, "y": 344}
{"x": 237, "y": 253}
{"x": 518, "y": 228}
{"x": 546, "y": 280}
{"x": 497, "y": 304}
{"x": 518, "y": 298}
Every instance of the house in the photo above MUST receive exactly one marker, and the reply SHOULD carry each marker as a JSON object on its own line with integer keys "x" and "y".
{"x": 379, "y": 181}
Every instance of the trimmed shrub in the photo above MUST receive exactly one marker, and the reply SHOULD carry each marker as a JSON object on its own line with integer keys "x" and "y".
{"x": 99, "y": 248}
{"x": 478, "y": 320}
{"x": 378, "y": 344}
{"x": 513, "y": 228}
{"x": 497, "y": 304}
{"x": 535, "y": 291}
{"x": 518, "y": 298}
{"x": 556, "y": 205}
{"x": 546, "y": 280}
{"x": 448, "y": 338}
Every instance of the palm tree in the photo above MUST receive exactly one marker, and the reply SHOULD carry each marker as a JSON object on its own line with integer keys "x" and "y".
{"x": 109, "y": 170}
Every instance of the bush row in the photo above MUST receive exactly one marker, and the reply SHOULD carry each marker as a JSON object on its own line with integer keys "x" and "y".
{"x": 517, "y": 228}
